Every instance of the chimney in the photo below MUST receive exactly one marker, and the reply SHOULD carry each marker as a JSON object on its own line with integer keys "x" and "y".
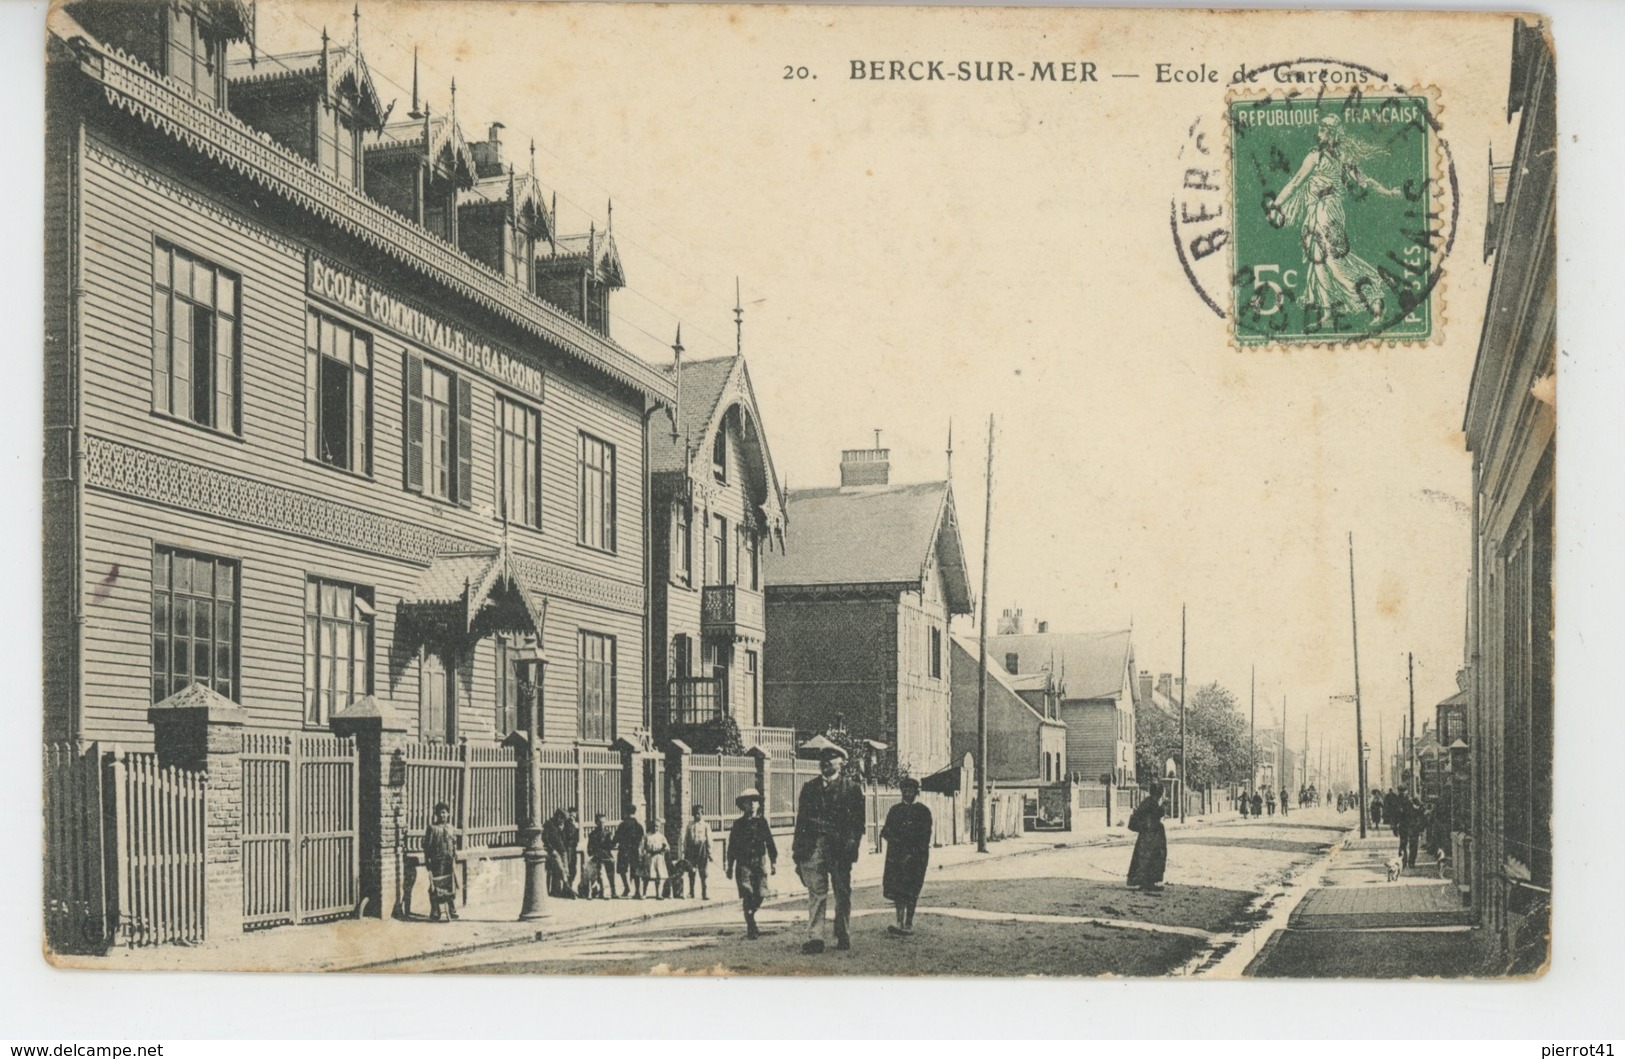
{"x": 1009, "y": 623}
{"x": 1165, "y": 684}
{"x": 865, "y": 467}
{"x": 488, "y": 154}
{"x": 1043, "y": 626}
{"x": 1145, "y": 685}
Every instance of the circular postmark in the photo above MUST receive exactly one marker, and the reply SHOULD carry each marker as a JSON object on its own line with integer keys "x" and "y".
{"x": 1318, "y": 207}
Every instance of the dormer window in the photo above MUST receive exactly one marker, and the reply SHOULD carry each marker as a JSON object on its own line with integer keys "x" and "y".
{"x": 719, "y": 455}
{"x": 337, "y": 143}
{"x": 191, "y": 57}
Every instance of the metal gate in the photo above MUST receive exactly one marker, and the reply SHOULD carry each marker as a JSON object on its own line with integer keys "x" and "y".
{"x": 301, "y": 846}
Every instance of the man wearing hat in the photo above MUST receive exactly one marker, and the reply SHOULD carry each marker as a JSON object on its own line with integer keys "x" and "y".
{"x": 752, "y": 855}
{"x": 829, "y": 829}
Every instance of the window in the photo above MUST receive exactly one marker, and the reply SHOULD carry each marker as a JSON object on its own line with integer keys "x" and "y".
{"x": 190, "y": 57}
{"x": 194, "y": 623}
{"x": 936, "y": 652}
{"x": 681, "y": 660}
{"x": 717, "y": 560}
{"x": 338, "y": 394}
{"x": 519, "y": 462}
{"x": 439, "y": 432}
{"x": 513, "y": 684}
{"x": 753, "y": 697}
{"x": 195, "y": 354}
{"x": 719, "y": 454}
{"x": 338, "y": 647}
{"x": 596, "y": 687}
{"x": 597, "y": 493}
{"x": 682, "y": 543}
{"x": 750, "y": 568}
{"x": 336, "y": 145}
{"x": 717, "y": 658}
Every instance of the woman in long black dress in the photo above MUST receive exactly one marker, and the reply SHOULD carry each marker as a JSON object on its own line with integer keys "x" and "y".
{"x": 907, "y": 835}
{"x": 1150, "y": 858}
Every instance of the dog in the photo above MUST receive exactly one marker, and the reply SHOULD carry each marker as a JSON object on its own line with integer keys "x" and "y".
{"x": 1395, "y": 866}
{"x": 1443, "y": 862}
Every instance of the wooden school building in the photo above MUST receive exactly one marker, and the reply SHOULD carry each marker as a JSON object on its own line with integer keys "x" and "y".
{"x": 336, "y": 434}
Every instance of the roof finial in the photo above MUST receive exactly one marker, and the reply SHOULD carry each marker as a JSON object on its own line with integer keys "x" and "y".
{"x": 356, "y": 14}
{"x": 552, "y": 228}
{"x": 950, "y": 448}
{"x": 877, "y": 437}
{"x": 533, "y": 157}
{"x": 677, "y": 372}
{"x": 454, "y": 99}
{"x": 739, "y": 322}
{"x": 416, "y": 112}
{"x": 609, "y": 225}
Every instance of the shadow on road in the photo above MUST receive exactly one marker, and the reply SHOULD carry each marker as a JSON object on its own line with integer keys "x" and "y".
{"x": 1271, "y": 845}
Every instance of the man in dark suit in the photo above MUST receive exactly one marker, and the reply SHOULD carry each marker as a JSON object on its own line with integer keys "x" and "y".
{"x": 830, "y": 825}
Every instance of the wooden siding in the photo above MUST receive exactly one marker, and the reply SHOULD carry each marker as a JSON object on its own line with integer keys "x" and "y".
{"x": 924, "y": 702}
{"x": 59, "y": 498}
{"x": 126, "y": 205}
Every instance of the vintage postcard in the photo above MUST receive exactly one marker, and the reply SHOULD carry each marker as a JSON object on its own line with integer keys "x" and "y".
{"x": 702, "y": 489}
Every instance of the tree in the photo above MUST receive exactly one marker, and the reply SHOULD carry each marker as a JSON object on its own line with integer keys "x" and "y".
{"x": 1215, "y": 738}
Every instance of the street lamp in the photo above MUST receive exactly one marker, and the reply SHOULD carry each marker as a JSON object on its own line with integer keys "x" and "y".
{"x": 531, "y": 663}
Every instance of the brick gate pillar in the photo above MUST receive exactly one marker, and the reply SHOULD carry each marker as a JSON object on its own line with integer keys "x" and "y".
{"x": 202, "y": 731}
{"x": 379, "y": 811}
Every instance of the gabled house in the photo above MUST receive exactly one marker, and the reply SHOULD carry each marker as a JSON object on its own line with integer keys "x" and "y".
{"x": 1026, "y": 738}
{"x": 1096, "y": 670}
{"x": 715, "y": 506}
{"x": 858, "y": 610}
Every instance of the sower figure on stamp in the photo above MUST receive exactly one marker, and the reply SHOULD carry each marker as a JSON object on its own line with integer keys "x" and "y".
{"x": 440, "y": 858}
{"x": 1336, "y": 279}
{"x": 1150, "y": 859}
{"x": 752, "y": 856}
{"x": 907, "y": 835}
{"x": 829, "y": 829}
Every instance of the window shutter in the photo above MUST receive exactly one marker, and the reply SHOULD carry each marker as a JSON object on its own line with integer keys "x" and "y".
{"x": 414, "y": 422}
{"x": 465, "y": 442}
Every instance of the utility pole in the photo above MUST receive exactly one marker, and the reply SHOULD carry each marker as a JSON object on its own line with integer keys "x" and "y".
{"x": 1286, "y": 779}
{"x": 1359, "y": 722}
{"x": 1410, "y": 679}
{"x": 981, "y": 670}
{"x": 1252, "y": 736}
{"x": 1182, "y": 689}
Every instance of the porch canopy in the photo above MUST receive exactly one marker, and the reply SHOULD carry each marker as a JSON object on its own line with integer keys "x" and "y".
{"x": 474, "y": 594}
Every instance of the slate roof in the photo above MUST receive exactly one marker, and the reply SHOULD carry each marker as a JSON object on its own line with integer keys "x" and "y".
{"x": 345, "y": 63}
{"x": 468, "y": 579}
{"x": 1090, "y": 664}
{"x": 596, "y": 248}
{"x": 872, "y": 535}
{"x": 525, "y": 192}
{"x": 1009, "y": 683}
{"x": 704, "y": 382}
{"x": 446, "y": 146}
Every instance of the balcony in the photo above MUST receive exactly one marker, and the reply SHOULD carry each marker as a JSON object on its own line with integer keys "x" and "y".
{"x": 731, "y": 611}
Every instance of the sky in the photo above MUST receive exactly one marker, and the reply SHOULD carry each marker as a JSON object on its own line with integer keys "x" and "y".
{"x": 914, "y": 256}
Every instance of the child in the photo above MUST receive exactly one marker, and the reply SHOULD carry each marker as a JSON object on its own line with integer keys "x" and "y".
{"x": 752, "y": 856}
{"x": 600, "y": 860}
{"x": 629, "y": 853}
{"x": 655, "y": 869}
{"x": 440, "y": 858}
{"x": 696, "y": 854}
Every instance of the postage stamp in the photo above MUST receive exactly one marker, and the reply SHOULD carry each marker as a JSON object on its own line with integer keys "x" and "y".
{"x": 1334, "y": 209}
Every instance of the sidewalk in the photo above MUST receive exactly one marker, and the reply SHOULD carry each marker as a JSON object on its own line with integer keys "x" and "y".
{"x": 1360, "y": 924}
{"x": 377, "y": 944}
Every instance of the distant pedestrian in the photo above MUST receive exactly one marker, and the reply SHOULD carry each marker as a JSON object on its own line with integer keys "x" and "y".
{"x": 751, "y": 857}
{"x": 1416, "y": 824}
{"x": 1269, "y": 801}
{"x": 1150, "y": 859}
{"x": 600, "y": 859}
{"x": 1245, "y": 803}
{"x": 629, "y": 853}
{"x": 1392, "y": 804}
{"x": 829, "y": 831}
{"x": 570, "y": 832}
{"x": 553, "y": 845}
{"x": 907, "y": 835}
{"x": 1258, "y": 804}
{"x": 440, "y": 858}
{"x": 1376, "y": 809}
{"x": 696, "y": 853}
{"x": 1285, "y": 809}
{"x": 656, "y": 869}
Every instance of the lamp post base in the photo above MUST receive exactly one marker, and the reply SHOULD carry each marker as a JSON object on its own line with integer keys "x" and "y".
{"x": 535, "y": 903}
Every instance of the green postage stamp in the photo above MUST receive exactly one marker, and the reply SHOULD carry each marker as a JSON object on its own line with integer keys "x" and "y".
{"x": 1336, "y": 235}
